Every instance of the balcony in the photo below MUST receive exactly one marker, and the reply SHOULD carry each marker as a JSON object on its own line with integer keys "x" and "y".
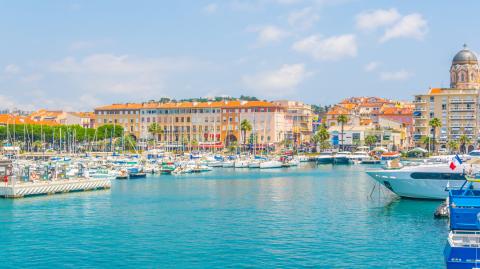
{"x": 457, "y": 117}
{"x": 462, "y": 101}
{"x": 467, "y": 125}
{"x": 419, "y": 109}
{"x": 420, "y": 117}
{"x": 419, "y": 102}
{"x": 462, "y": 109}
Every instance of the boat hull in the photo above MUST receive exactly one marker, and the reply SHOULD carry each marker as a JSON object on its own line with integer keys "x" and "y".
{"x": 328, "y": 160}
{"x": 137, "y": 175}
{"x": 342, "y": 160}
{"x": 461, "y": 257}
{"x": 403, "y": 185}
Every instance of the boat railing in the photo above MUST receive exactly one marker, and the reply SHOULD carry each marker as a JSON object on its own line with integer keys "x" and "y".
{"x": 464, "y": 239}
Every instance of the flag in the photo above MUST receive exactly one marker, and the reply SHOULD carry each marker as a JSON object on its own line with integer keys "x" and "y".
{"x": 456, "y": 161}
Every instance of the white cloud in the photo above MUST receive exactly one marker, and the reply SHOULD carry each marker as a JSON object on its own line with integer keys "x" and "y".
{"x": 303, "y": 18}
{"x": 395, "y": 75}
{"x": 331, "y": 48}
{"x": 371, "y": 66}
{"x": 122, "y": 75}
{"x": 410, "y": 26}
{"x": 279, "y": 82}
{"x": 210, "y": 8}
{"x": 377, "y": 18}
{"x": 268, "y": 34}
{"x": 12, "y": 69}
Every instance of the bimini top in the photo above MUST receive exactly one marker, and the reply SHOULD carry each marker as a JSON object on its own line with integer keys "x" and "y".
{"x": 465, "y": 56}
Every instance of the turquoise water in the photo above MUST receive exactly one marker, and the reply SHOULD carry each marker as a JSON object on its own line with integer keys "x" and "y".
{"x": 310, "y": 216}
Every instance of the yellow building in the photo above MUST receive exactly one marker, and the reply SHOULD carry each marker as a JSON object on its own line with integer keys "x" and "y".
{"x": 456, "y": 107}
{"x": 127, "y": 115}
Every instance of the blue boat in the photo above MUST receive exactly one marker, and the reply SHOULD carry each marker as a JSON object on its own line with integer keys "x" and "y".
{"x": 134, "y": 172}
{"x": 463, "y": 246}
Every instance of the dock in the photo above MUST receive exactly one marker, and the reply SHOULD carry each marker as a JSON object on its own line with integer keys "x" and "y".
{"x": 24, "y": 189}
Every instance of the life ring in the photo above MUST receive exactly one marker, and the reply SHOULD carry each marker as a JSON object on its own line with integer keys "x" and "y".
{"x": 34, "y": 176}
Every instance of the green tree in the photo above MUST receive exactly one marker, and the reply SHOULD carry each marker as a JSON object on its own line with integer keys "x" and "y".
{"x": 452, "y": 146}
{"x": 464, "y": 142}
{"x": 245, "y": 126}
{"x": 154, "y": 129}
{"x": 427, "y": 142}
{"x": 434, "y": 123}
{"x": 321, "y": 137}
{"x": 342, "y": 120}
{"x": 370, "y": 140}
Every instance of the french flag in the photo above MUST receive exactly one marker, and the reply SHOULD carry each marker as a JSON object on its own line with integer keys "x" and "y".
{"x": 456, "y": 161}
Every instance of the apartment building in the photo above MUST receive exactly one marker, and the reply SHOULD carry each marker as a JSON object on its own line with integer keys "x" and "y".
{"x": 126, "y": 115}
{"x": 456, "y": 107}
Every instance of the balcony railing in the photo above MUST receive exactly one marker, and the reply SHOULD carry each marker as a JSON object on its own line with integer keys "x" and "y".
{"x": 463, "y": 117}
{"x": 419, "y": 102}
{"x": 462, "y": 101}
{"x": 468, "y": 125}
{"x": 462, "y": 109}
{"x": 420, "y": 117}
{"x": 419, "y": 109}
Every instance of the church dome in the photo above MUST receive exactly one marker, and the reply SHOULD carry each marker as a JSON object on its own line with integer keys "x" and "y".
{"x": 465, "y": 56}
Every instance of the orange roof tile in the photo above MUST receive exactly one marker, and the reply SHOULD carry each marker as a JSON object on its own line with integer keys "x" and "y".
{"x": 12, "y": 119}
{"x": 435, "y": 90}
{"x": 218, "y": 104}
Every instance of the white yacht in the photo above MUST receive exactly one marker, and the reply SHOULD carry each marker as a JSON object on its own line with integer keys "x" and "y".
{"x": 228, "y": 164}
{"x": 343, "y": 157}
{"x": 241, "y": 163}
{"x": 271, "y": 164}
{"x": 422, "y": 181}
{"x": 324, "y": 158}
{"x": 359, "y": 156}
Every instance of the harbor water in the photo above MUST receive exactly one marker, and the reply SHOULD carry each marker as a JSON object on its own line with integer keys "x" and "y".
{"x": 309, "y": 216}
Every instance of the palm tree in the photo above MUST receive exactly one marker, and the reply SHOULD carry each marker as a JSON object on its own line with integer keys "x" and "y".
{"x": 370, "y": 140}
{"x": 154, "y": 129}
{"x": 321, "y": 137}
{"x": 342, "y": 119}
{"x": 426, "y": 140}
{"x": 452, "y": 145}
{"x": 464, "y": 141}
{"x": 434, "y": 123}
{"x": 245, "y": 126}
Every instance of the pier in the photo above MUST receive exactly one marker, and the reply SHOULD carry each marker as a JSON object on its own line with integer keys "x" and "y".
{"x": 23, "y": 189}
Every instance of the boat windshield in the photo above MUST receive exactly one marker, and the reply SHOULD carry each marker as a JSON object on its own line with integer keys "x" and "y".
{"x": 474, "y": 153}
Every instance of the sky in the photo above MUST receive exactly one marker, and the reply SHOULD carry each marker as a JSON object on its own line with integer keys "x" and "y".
{"x": 75, "y": 55}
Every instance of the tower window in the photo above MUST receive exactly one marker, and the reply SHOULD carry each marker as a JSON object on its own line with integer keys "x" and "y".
{"x": 462, "y": 77}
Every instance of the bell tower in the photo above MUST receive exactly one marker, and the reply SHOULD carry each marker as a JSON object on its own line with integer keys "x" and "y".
{"x": 465, "y": 72}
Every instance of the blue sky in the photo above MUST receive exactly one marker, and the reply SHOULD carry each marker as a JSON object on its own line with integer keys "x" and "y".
{"x": 76, "y": 55}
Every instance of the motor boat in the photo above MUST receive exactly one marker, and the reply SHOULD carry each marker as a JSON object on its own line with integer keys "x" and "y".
{"x": 303, "y": 158}
{"x": 430, "y": 181}
{"x": 343, "y": 157}
{"x": 228, "y": 164}
{"x": 271, "y": 164}
{"x": 241, "y": 164}
{"x": 324, "y": 158}
{"x": 359, "y": 156}
{"x": 463, "y": 244}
